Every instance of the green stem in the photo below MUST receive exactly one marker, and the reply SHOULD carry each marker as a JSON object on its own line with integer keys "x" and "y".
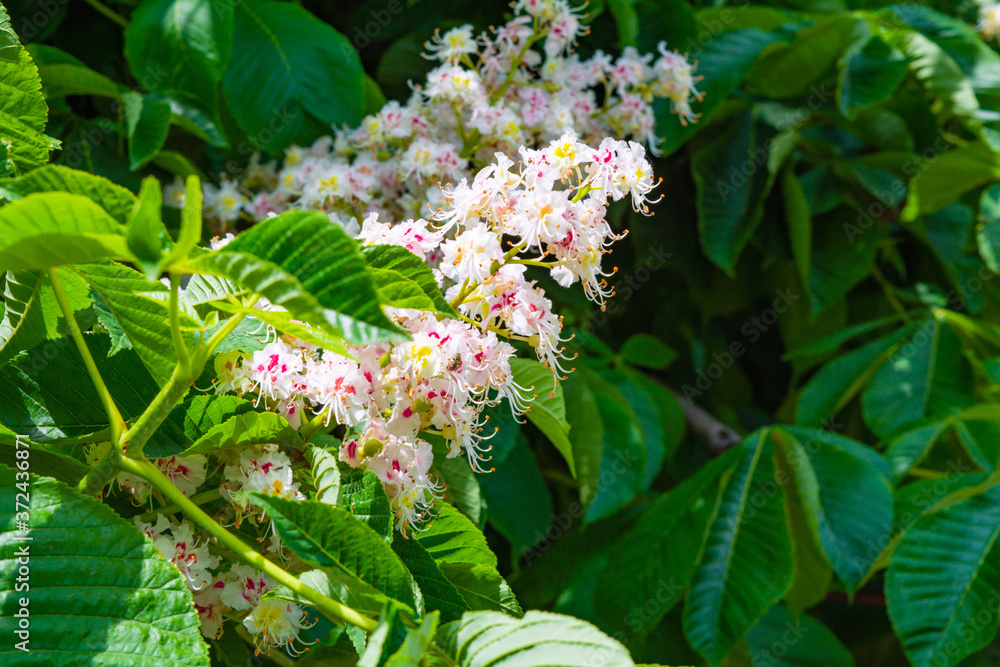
{"x": 534, "y": 262}
{"x": 312, "y": 426}
{"x": 183, "y": 359}
{"x": 197, "y": 499}
{"x": 101, "y": 474}
{"x": 535, "y": 36}
{"x": 890, "y": 293}
{"x": 114, "y": 417}
{"x": 152, "y": 474}
{"x": 108, "y": 12}
{"x": 166, "y": 400}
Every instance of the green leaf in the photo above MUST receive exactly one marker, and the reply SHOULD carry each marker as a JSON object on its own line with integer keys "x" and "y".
{"x": 626, "y": 19}
{"x": 724, "y": 61}
{"x": 363, "y": 494}
{"x": 141, "y": 311}
{"x": 113, "y": 198}
{"x": 291, "y": 76}
{"x": 330, "y": 538}
{"x": 609, "y": 483}
{"x": 439, "y": 593}
{"x": 988, "y": 229}
{"x": 482, "y": 587}
{"x": 813, "y": 572}
{"x": 10, "y": 46}
{"x": 23, "y": 113}
{"x": 799, "y": 223}
{"x": 450, "y": 537}
{"x": 841, "y": 257}
{"x": 404, "y": 280}
{"x": 191, "y": 420}
{"x": 387, "y": 636}
{"x": 180, "y": 45}
{"x": 53, "y": 228}
{"x": 32, "y": 314}
{"x": 747, "y": 564}
{"x": 928, "y": 377}
{"x": 650, "y": 562}
{"x": 329, "y": 266}
{"x": 869, "y": 75}
{"x": 832, "y": 493}
{"x": 460, "y": 550}
{"x": 727, "y": 199}
{"x": 949, "y": 176}
{"x": 44, "y": 461}
{"x": 647, "y": 351}
{"x": 548, "y": 409}
{"x": 121, "y": 603}
{"x": 416, "y": 644}
{"x": 540, "y": 639}
{"x": 940, "y": 75}
{"x": 190, "y": 234}
{"x": 518, "y": 499}
{"x": 146, "y": 235}
{"x": 782, "y": 640}
{"x": 789, "y": 71}
{"x": 909, "y": 449}
{"x": 147, "y": 123}
{"x": 60, "y": 80}
{"x": 839, "y": 380}
{"x": 462, "y": 487}
{"x": 325, "y": 473}
{"x": 48, "y": 394}
{"x": 942, "y": 581}
{"x": 246, "y": 430}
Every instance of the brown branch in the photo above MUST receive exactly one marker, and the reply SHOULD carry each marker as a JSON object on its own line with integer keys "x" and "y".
{"x": 714, "y": 433}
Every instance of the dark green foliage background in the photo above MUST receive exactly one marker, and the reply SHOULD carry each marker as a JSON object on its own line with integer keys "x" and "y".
{"x": 823, "y": 256}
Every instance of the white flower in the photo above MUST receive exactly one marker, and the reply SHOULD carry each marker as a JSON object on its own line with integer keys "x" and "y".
{"x": 452, "y": 45}
{"x": 471, "y": 254}
{"x": 276, "y": 623}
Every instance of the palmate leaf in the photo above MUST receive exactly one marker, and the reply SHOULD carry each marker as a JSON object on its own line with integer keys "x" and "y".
{"x": 23, "y": 112}
{"x": 143, "y": 318}
{"x": 363, "y": 495}
{"x": 247, "y": 430}
{"x": 44, "y": 461}
{"x": 48, "y": 394}
{"x": 32, "y": 314}
{"x": 941, "y": 587}
{"x": 333, "y": 540}
{"x": 404, "y": 280}
{"x": 461, "y": 552}
{"x": 438, "y": 592}
{"x": 728, "y": 207}
{"x": 192, "y": 420}
{"x": 290, "y": 75}
{"x": 181, "y": 45}
{"x": 833, "y": 481}
{"x": 329, "y": 266}
{"x": 650, "y": 562}
{"x": 113, "y": 198}
{"x": 540, "y": 639}
{"x": 548, "y": 407}
{"x": 747, "y": 564}
{"x": 609, "y": 444}
{"x": 116, "y": 604}
{"x": 839, "y": 380}
{"x": 928, "y": 377}
{"x": 49, "y": 229}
